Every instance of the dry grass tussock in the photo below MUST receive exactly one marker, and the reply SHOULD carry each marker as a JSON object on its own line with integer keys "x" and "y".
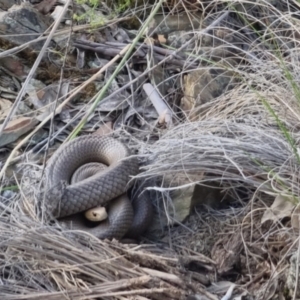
{"x": 248, "y": 137}
{"x": 39, "y": 260}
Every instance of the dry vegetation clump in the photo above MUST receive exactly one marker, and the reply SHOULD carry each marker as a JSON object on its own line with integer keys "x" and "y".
{"x": 42, "y": 261}
{"x": 246, "y": 139}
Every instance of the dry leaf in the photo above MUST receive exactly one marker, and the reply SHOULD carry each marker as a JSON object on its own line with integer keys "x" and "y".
{"x": 219, "y": 287}
{"x": 104, "y": 129}
{"x": 15, "y": 129}
{"x": 282, "y": 207}
{"x": 43, "y": 98}
{"x": 149, "y": 41}
{"x": 12, "y": 65}
{"x": 45, "y": 6}
{"x": 5, "y": 106}
{"x": 162, "y": 38}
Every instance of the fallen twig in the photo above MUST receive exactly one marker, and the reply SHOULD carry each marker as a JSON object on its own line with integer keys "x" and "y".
{"x": 164, "y": 112}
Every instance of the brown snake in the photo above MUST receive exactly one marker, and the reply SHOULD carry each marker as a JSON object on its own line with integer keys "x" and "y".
{"x": 103, "y": 187}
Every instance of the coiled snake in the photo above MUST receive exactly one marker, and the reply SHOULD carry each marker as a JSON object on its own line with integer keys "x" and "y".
{"x": 97, "y": 187}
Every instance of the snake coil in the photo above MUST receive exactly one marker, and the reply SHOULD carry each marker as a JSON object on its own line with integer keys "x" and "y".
{"x": 107, "y": 187}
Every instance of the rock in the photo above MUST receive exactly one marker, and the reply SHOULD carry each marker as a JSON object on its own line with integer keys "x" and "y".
{"x": 21, "y": 24}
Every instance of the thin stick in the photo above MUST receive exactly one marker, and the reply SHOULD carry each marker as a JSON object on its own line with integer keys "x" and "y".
{"x": 164, "y": 113}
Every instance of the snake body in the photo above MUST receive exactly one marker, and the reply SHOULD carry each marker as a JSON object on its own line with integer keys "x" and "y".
{"x": 106, "y": 187}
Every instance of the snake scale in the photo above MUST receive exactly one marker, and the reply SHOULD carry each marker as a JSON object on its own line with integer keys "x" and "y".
{"x": 106, "y": 187}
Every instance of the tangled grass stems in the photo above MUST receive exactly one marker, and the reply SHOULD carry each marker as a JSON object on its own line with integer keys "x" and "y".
{"x": 228, "y": 151}
{"x": 38, "y": 260}
{"x": 277, "y": 46}
{"x": 248, "y": 134}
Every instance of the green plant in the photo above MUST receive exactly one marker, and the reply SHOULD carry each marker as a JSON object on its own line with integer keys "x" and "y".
{"x": 91, "y": 16}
